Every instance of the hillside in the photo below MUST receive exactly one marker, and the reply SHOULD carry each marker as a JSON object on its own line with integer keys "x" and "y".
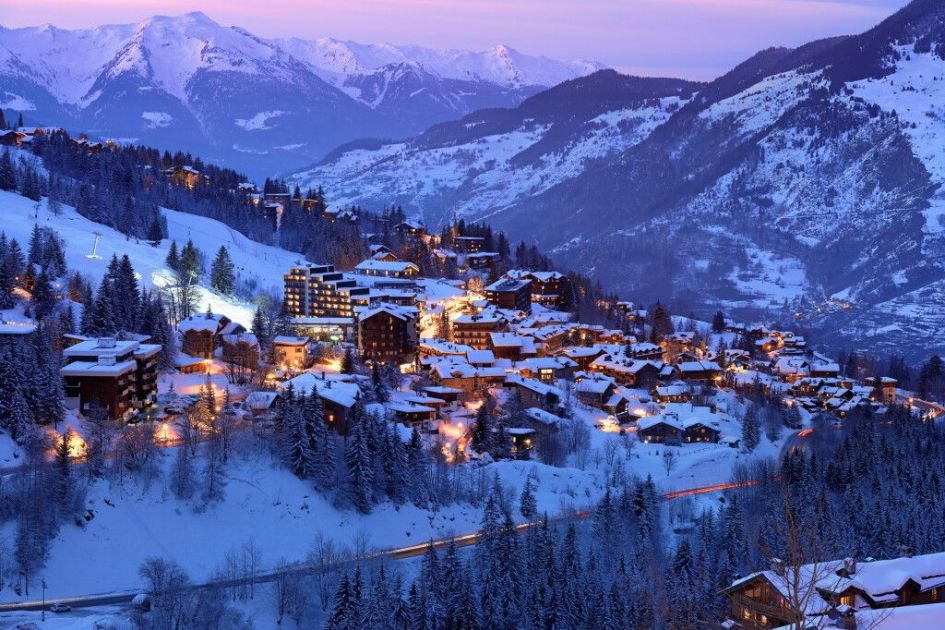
{"x": 257, "y": 264}
{"x": 805, "y": 183}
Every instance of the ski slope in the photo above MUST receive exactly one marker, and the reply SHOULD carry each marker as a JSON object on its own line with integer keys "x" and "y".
{"x": 260, "y": 265}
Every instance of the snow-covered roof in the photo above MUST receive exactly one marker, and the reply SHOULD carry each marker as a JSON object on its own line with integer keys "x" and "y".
{"x": 89, "y": 368}
{"x": 337, "y": 391}
{"x": 204, "y": 321}
{"x": 286, "y": 340}
{"x": 391, "y": 266}
{"x": 699, "y": 366}
{"x": 540, "y": 415}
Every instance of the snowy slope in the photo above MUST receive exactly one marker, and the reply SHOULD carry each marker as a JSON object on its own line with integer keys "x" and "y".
{"x": 261, "y": 264}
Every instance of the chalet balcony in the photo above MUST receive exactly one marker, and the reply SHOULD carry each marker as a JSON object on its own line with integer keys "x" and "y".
{"x": 775, "y": 615}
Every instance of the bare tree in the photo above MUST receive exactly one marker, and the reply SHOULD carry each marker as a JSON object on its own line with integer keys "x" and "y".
{"x": 669, "y": 459}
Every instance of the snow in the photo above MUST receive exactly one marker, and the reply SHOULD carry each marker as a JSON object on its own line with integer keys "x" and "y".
{"x": 254, "y": 262}
{"x": 16, "y": 102}
{"x": 920, "y": 103}
{"x": 156, "y": 120}
{"x": 335, "y": 60}
{"x": 482, "y": 172}
{"x": 762, "y": 104}
{"x": 258, "y": 122}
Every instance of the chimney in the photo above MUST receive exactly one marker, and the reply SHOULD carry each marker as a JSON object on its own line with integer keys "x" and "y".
{"x": 777, "y": 565}
{"x": 849, "y": 566}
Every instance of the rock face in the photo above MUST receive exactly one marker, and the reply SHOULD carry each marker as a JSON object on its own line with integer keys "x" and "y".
{"x": 804, "y": 184}
{"x": 259, "y": 105}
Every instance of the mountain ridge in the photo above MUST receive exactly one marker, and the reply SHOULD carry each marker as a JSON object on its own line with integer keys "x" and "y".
{"x": 156, "y": 82}
{"x": 805, "y": 183}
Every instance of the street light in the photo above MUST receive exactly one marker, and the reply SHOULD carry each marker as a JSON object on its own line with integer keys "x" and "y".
{"x": 42, "y": 613}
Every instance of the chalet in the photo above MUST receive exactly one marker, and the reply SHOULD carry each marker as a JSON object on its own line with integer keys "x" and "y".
{"x": 673, "y": 392}
{"x": 200, "y": 334}
{"x": 699, "y": 370}
{"x": 448, "y": 395}
{"x": 338, "y": 397}
{"x": 660, "y": 430}
{"x": 291, "y": 352}
{"x": 387, "y": 333}
{"x": 507, "y": 345}
{"x": 583, "y": 356}
{"x": 523, "y": 439}
{"x": 482, "y": 260}
{"x": 241, "y": 349}
{"x": 837, "y": 587}
{"x": 458, "y": 374}
{"x": 400, "y": 269}
{"x": 681, "y": 423}
{"x": 627, "y": 371}
{"x": 883, "y": 389}
{"x": 546, "y": 369}
{"x": 262, "y": 404}
{"x": 11, "y": 137}
{"x": 698, "y": 431}
{"x": 534, "y": 393}
{"x": 511, "y": 294}
{"x": 187, "y": 364}
{"x": 618, "y": 406}
{"x": 824, "y": 369}
{"x": 548, "y": 288}
{"x": 120, "y": 376}
{"x": 412, "y": 414}
{"x": 474, "y": 330}
{"x": 645, "y": 351}
{"x": 384, "y": 256}
{"x": 595, "y": 390}
{"x": 410, "y": 228}
{"x": 187, "y": 176}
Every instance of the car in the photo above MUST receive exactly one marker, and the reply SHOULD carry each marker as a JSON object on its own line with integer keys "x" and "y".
{"x": 60, "y": 608}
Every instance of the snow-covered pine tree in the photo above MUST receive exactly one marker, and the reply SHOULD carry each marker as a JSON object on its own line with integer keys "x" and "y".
{"x": 360, "y": 468}
{"x": 222, "y": 274}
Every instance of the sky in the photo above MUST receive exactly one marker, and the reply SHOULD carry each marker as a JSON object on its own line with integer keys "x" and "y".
{"x": 696, "y": 39}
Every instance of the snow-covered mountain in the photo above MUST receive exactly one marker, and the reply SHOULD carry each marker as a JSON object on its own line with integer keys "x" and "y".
{"x": 804, "y": 183}
{"x": 261, "y": 105}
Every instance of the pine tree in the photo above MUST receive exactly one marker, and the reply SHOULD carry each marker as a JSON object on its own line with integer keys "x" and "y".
{"x": 718, "y": 322}
{"x": 381, "y": 394}
{"x": 347, "y": 362}
{"x": 344, "y": 613}
{"x": 43, "y": 297}
{"x": 751, "y": 434}
{"x": 173, "y": 258}
{"x": 64, "y": 469}
{"x": 528, "y": 506}
{"x": 360, "y": 468}
{"x": 6, "y": 286}
{"x": 222, "y": 277}
{"x": 7, "y": 172}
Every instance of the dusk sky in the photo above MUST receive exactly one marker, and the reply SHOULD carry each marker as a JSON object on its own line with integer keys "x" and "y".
{"x": 692, "y": 38}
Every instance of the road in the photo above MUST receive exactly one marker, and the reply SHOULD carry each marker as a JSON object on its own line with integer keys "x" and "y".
{"x": 397, "y": 553}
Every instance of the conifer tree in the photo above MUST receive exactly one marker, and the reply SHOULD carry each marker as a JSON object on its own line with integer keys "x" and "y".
{"x": 360, "y": 468}
{"x": 222, "y": 277}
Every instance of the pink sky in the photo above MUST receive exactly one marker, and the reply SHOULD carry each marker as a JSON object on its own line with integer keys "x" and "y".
{"x": 693, "y": 38}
